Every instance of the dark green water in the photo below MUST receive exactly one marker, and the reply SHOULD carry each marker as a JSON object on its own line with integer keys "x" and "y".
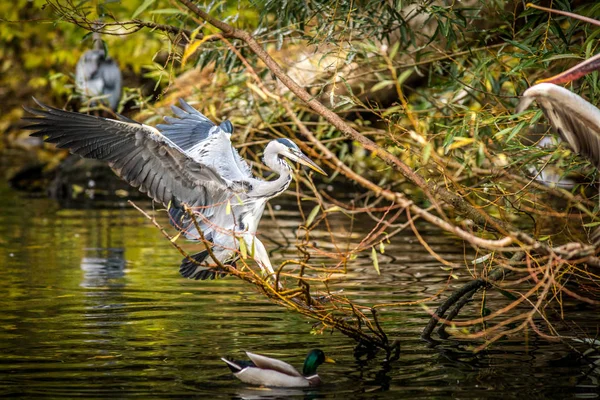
{"x": 93, "y": 306}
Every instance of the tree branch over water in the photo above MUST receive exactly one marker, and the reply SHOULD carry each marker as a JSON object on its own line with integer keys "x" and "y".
{"x": 420, "y": 125}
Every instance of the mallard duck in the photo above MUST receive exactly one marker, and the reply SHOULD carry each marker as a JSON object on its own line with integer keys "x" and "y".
{"x": 265, "y": 371}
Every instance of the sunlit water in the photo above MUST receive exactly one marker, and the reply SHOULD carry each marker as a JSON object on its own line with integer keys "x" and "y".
{"x": 93, "y": 306}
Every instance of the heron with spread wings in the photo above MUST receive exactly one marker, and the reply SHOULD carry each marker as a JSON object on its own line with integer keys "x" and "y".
{"x": 187, "y": 161}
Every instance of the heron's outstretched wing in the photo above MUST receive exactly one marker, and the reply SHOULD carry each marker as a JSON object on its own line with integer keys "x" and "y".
{"x": 205, "y": 142}
{"x": 573, "y": 118}
{"x": 137, "y": 153}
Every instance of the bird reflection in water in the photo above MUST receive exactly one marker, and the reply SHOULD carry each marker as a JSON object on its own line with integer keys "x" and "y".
{"x": 103, "y": 267}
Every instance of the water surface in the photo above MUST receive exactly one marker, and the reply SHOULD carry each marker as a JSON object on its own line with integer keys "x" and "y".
{"x": 93, "y": 306}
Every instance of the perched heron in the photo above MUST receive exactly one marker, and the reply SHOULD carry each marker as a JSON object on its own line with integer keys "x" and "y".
{"x": 187, "y": 161}
{"x": 98, "y": 75}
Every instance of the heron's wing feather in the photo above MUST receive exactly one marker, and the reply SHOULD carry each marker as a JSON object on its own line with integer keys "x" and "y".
{"x": 205, "y": 142}
{"x": 189, "y": 128}
{"x": 218, "y": 152}
{"x": 242, "y": 164}
{"x": 274, "y": 364}
{"x": 574, "y": 119}
{"x": 137, "y": 153}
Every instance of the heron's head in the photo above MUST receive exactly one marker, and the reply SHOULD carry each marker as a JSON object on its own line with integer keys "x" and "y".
{"x": 287, "y": 149}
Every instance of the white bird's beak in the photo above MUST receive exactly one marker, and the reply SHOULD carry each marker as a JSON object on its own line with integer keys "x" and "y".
{"x": 304, "y": 160}
{"x": 581, "y": 69}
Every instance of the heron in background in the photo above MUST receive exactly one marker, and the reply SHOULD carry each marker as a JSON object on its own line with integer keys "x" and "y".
{"x": 98, "y": 76}
{"x": 187, "y": 161}
{"x": 575, "y": 120}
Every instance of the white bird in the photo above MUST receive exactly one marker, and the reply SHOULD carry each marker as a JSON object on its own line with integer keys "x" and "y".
{"x": 573, "y": 118}
{"x": 190, "y": 161}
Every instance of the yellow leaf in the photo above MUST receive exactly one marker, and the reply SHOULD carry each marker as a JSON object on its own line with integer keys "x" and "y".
{"x": 257, "y": 90}
{"x": 460, "y": 142}
{"x": 312, "y": 215}
{"x": 174, "y": 238}
{"x": 243, "y": 248}
{"x": 228, "y": 208}
{"x": 192, "y": 47}
{"x": 375, "y": 260}
{"x": 427, "y": 152}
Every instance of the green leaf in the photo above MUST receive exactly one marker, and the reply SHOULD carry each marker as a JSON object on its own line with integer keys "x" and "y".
{"x": 142, "y": 8}
{"x": 312, "y": 215}
{"x": 375, "y": 260}
{"x": 381, "y": 85}
{"x": 166, "y": 11}
{"x": 508, "y": 294}
{"x": 243, "y": 248}
{"x": 394, "y": 50}
{"x": 405, "y": 75}
{"x": 427, "y": 152}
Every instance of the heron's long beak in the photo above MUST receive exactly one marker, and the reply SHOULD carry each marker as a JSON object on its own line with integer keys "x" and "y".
{"x": 329, "y": 360}
{"x": 581, "y": 69}
{"x": 304, "y": 160}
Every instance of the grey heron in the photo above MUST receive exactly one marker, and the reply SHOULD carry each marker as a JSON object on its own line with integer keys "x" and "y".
{"x": 98, "y": 75}
{"x": 187, "y": 161}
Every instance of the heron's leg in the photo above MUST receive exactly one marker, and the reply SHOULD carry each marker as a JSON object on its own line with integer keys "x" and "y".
{"x": 259, "y": 253}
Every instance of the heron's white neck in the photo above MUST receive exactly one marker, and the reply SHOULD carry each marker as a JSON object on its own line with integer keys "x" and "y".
{"x": 270, "y": 189}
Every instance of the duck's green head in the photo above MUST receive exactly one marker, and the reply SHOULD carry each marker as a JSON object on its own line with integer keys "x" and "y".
{"x": 313, "y": 360}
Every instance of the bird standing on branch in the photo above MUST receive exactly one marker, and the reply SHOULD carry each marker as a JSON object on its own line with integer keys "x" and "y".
{"x": 191, "y": 162}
